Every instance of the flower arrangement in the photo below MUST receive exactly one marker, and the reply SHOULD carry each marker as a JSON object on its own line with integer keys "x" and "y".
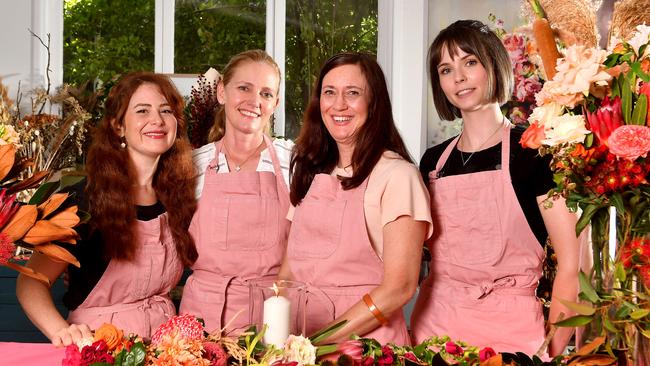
{"x": 202, "y": 107}
{"x": 592, "y": 117}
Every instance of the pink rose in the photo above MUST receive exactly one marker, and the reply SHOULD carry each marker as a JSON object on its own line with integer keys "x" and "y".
{"x": 214, "y": 353}
{"x": 352, "y": 348}
{"x": 630, "y": 141}
{"x": 453, "y": 349}
{"x": 72, "y": 356}
{"x": 486, "y": 353}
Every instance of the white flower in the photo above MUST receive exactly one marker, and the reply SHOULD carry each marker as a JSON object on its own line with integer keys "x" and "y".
{"x": 212, "y": 76}
{"x": 8, "y": 135}
{"x": 299, "y": 349}
{"x": 640, "y": 37}
{"x": 544, "y": 113}
{"x": 83, "y": 342}
{"x": 563, "y": 129}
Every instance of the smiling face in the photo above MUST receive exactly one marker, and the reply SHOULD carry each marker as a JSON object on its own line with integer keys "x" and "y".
{"x": 149, "y": 125}
{"x": 250, "y": 97}
{"x": 464, "y": 80}
{"x": 344, "y": 101}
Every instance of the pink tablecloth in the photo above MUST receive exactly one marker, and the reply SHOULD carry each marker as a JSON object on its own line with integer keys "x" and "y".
{"x": 30, "y": 354}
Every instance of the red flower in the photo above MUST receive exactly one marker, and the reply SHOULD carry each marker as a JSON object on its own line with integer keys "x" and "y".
{"x": 630, "y": 141}
{"x": 72, "y": 356}
{"x": 533, "y": 136}
{"x": 636, "y": 253}
{"x": 368, "y": 361}
{"x": 486, "y": 353}
{"x": 214, "y": 353}
{"x": 644, "y": 271}
{"x": 645, "y": 89}
{"x": 6, "y": 249}
{"x": 411, "y": 357}
{"x": 453, "y": 349}
{"x": 606, "y": 119}
{"x": 387, "y": 356}
{"x": 96, "y": 352}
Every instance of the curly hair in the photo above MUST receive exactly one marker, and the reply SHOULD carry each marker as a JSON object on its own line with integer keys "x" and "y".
{"x": 111, "y": 174}
{"x": 316, "y": 151}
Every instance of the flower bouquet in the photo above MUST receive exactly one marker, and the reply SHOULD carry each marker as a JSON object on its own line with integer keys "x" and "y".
{"x": 592, "y": 117}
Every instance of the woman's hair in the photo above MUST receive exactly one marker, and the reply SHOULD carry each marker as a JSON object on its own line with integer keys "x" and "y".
{"x": 475, "y": 38}
{"x": 219, "y": 128}
{"x": 316, "y": 151}
{"x": 111, "y": 175}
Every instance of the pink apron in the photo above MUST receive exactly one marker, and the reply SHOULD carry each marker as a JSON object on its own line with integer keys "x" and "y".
{"x": 240, "y": 229}
{"x": 134, "y": 295}
{"x": 329, "y": 249}
{"x": 485, "y": 265}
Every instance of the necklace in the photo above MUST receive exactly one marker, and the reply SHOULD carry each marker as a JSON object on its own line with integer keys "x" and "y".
{"x": 462, "y": 154}
{"x": 241, "y": 164}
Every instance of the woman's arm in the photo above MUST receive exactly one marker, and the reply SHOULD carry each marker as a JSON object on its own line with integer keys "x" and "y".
{"x": 560, "y": 224}
{"x": 403, "y": 240}
{"x": 36, "y": 299}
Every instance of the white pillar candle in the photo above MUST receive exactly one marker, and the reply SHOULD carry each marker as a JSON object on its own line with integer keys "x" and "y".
{"x": 277, "y": 310}
{"x": 612, "y": 232}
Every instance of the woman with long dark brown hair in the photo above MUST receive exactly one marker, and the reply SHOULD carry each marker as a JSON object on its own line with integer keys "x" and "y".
{"x": 140, "y": 194}
{"x": 361, "y": 211}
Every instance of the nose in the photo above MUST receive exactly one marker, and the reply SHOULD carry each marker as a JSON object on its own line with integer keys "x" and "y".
{"x": 459, "y": 76}
{"x": 340, "y": 103}
{"x": 157, "y": 119}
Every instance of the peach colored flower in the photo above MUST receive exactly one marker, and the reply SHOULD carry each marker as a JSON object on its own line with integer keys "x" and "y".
{"x": 545, "y": 112}
{"x": 581, "y": 69}
{"x": 565, "y": 129}
{"x": 299, "y": 349}
{"x": 109, "y": 334}
{"x": 533, "y": 136}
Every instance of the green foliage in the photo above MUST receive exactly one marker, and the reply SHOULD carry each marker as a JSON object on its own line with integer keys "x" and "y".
{"x": 103, "y": 38}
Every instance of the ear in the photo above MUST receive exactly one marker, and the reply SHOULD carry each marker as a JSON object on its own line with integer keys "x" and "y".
{"x": 119, "y": 129}
{"x": 221, "y": 92}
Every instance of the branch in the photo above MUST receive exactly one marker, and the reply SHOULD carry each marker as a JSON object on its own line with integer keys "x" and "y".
{"x": 47, "y": 68}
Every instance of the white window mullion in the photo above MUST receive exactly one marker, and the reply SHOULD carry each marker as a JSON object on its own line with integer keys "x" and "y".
{"x": 164, "y": 44}
{"x": 275, "y": 46}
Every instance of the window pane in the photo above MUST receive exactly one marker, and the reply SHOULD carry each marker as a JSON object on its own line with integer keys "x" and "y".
{"x": 103, "y": 38}
{"x": 208, "y": 33}
{"x": 316, "y": 30}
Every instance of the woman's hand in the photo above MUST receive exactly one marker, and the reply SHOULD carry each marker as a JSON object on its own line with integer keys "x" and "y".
{"x": 403, "y": 240}
{"x": 71, "y": 334}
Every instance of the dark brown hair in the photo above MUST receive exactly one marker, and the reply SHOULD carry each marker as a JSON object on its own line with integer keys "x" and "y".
{"x": 476, "y": 38}
{"x": 111, "y": 175}
{"x": 219, "y": 128}
{"x": 316, "y": 151}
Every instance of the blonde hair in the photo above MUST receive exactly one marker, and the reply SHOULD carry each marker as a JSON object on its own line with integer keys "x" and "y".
{"x": 219, "y": 127}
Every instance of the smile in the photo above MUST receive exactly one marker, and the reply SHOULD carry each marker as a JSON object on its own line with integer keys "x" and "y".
{"x": 341, "y": 119}
{"x": 155, "y": 134}
{"x": 464, "y": 92}
{"x": 249, "y": 113}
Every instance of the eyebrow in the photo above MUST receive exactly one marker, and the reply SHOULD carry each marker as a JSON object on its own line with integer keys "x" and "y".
{"x": 345, "y": 87}
{"x": 149, "y": 105}
{"x": 462, "y": 58}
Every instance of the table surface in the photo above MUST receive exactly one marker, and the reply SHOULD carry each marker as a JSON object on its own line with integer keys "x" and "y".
{"x": 30, "y": 354}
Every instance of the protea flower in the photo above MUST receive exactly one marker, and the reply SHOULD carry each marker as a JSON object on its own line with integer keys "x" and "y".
{"x": 8, "y": 207}
{"x": 605, "y": 119}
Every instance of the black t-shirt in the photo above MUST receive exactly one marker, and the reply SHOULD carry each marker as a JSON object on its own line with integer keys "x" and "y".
{"x": 530, "y": 173}
{"x": 89, "y": 249}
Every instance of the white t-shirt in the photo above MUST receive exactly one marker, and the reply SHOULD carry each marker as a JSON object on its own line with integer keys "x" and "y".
{"x": 204, "y": 154}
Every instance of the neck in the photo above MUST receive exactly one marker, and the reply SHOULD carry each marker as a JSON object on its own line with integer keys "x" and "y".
{"x": 143, "y": 186}
{"x": 240, "y": 144}
{"x": 345, "y": 155}
{"x": 479, "y": 128}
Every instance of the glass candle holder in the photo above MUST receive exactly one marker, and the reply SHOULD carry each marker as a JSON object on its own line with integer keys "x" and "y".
{"x": 279, "y": 305}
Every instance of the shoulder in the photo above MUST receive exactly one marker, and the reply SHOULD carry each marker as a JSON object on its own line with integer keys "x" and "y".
{"x": 391, "y": 163}
{"x": 204, "y": 152}
{"x": 283, "y": 149}
{"x": 431, "y": 156}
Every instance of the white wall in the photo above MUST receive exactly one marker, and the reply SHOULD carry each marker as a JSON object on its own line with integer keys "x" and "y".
{"x": 23, "y": 58}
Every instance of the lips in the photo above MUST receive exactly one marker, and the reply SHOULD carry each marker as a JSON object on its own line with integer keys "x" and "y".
{"x": 341, "y": 119}
{"x": 464, "y": 92}
{"x": 155, "y": 134}
{"x": 249, "y": 113}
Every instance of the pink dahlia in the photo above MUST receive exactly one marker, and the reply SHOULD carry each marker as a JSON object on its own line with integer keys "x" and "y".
{"x": 630, "y": 141}
{"x": 188, "y": 326}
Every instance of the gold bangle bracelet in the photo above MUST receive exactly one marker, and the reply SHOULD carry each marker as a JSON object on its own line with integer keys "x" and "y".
{"x": 374, "y": 310}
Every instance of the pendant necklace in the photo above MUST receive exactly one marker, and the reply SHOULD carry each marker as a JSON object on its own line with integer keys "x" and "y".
{"x": 241, "y": 164}
{"x": 462, "y": 154}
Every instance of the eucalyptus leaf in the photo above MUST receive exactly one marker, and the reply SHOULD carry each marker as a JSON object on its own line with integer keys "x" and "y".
{"x": 607, "y": 323}
{"x": 582, "y": 309}
{"x": 619, "y": 272}
{"x": 639, "y": 314}
{"x": 575, "y": 321}
{"x": 587, "y": 289}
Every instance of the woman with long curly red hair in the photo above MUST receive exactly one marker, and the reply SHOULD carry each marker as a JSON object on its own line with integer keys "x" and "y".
{"x": 140, "y": 194}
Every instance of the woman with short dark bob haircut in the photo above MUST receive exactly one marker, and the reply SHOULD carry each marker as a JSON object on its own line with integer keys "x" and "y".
{"x": 361, "y": 211}
{"x": 487, "y": 196}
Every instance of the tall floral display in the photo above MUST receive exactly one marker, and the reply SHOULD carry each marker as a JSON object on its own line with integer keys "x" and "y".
{"x": 593, "y": 118}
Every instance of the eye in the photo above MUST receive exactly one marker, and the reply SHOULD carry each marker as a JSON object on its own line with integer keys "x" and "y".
{"x": 167, "y": 110}
{"x": 472, "y": 62}
{"x": 328, "y": 92}
{"x": 242, "y": 87}
{"x": 141, "y": 111}
{"x": 267, "y": 95}
{"x": 353, "y": 93}
{"x": 444, "y": 71}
